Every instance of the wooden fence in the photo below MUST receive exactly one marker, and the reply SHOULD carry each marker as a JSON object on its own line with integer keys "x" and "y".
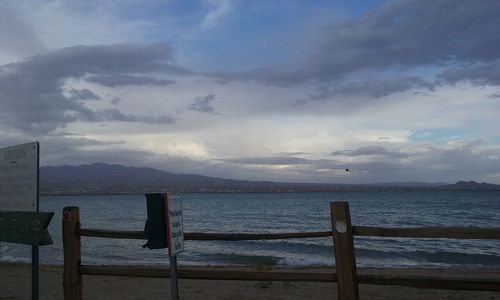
{"x": 342, "y": 233}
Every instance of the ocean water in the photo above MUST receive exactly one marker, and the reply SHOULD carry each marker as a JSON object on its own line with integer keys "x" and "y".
{"x": 282, "y": 212}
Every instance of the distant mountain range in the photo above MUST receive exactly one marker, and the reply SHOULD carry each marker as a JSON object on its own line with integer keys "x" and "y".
{"x": 102, "y": 178}
{"x": 472, "y": 185}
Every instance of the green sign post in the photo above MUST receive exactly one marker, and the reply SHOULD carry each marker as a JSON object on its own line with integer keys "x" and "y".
{"x": 164, "y": 228}
{"x": 20, "y": 219}
{"x": 23, "y": 227}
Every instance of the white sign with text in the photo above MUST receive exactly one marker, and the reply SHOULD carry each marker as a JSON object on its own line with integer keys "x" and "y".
{"x": 175, "y": 228}
{"x": 19, "y": 177}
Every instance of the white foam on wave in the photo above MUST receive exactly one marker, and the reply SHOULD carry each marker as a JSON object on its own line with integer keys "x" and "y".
{"x": 306, "y": 262}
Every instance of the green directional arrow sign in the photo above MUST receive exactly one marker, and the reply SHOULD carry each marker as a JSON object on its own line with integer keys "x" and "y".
{"x": 23, "y": 227}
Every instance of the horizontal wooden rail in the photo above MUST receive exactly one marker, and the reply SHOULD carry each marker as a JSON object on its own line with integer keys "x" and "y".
{"x": 116, "y": 234}
{"x": 212, "y": 274}
{"x": 430, "y": 282}
{"x": 416, "y": 232}
{"x": 433, "y": 282}
{"x": 299, "y": 275}
{"x": 253, "y": 236}
{"x": 429, "y": 232}
{"x": 112, "y": 234}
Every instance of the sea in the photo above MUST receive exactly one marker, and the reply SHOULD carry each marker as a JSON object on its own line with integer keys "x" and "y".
{"x": 280, "y": 213}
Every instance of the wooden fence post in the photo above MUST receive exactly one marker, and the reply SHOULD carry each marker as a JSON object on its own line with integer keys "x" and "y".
{"x": 72, "y": 260}
{"x": 345, "y": 260}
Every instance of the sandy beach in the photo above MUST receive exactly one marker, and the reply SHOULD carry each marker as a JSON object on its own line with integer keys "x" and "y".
{"x": 15, "y": 283}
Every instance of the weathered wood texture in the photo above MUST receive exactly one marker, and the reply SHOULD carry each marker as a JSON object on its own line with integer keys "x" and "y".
{"x": 433, "y": 282}
{"x": 429, "y": 232}
{"x": 415, "y": 232}
{"x": 112, "y": 234}
{"x": 72, "y": 278}
{"x": 345, "y": 259}
{"x": 222, "y": 274}
{"x": 205, "y": 236}
{"x": 73, "y": 269}
{"x": 430, "y": 282}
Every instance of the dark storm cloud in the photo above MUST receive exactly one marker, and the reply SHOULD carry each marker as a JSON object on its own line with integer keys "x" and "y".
{"x": 117, "y": 115}
{"x": 396, "y": 36}
{"x": 124, "y": 80}
{"x": 375, "y": 88}
{"x": 83, "y": 94}
{"x": 31, "y": 91}
{"x": 410, "y": 34}
{"x": 115, "y": 100}
{"x": 77, "y": 61}
{"x": 203, "y": 104}
{"x": 293, "y": 153}
{"x": 481, "y": 74}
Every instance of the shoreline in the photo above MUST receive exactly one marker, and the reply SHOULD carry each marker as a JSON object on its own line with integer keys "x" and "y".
{"x": 16, "y": 280}
{"x": 421, "y": 267}
{"x": 368, "y": 190}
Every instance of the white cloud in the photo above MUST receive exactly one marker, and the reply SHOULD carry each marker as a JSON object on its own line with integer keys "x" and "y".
{"x": 306, "y": 121}
{"x": 220, "y": 9}
{"x": 17, "y": 35}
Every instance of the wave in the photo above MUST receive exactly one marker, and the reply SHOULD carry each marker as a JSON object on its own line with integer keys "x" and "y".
{"x": 307, "y": 262}
{"x": 442, "y": 258}
{"x": 238, "y": 260}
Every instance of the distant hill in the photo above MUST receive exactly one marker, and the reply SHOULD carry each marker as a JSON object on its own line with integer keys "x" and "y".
{"x": 409, "y": 184}
{"x": 99, "y": 178}
{"x": 100, "y": 173}
{"x": 471, "y": 185}
{"x": 105, "y": 178}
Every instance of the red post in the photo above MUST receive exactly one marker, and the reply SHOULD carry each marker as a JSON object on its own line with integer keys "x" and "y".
{"x": 72, "y": 280}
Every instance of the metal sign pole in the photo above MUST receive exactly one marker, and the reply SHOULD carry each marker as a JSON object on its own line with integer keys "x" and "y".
{"x": 34, "y": 249}
{"x": 164, "y": 229}
{"x": 34, "y": 272}
{"x": 20, "y": 166}
{"x": 174, "y": 283}
{"x": 170, "y": 219}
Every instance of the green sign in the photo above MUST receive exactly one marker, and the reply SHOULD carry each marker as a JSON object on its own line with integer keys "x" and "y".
{"x": 22, "y": 227}
{"x": 155, "y": 228}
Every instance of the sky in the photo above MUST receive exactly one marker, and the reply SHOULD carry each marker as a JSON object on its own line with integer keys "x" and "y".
{"x": 295, "y": 91}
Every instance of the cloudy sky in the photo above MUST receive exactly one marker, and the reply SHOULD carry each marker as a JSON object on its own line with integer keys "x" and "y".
{"x": 263, "y": 90}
